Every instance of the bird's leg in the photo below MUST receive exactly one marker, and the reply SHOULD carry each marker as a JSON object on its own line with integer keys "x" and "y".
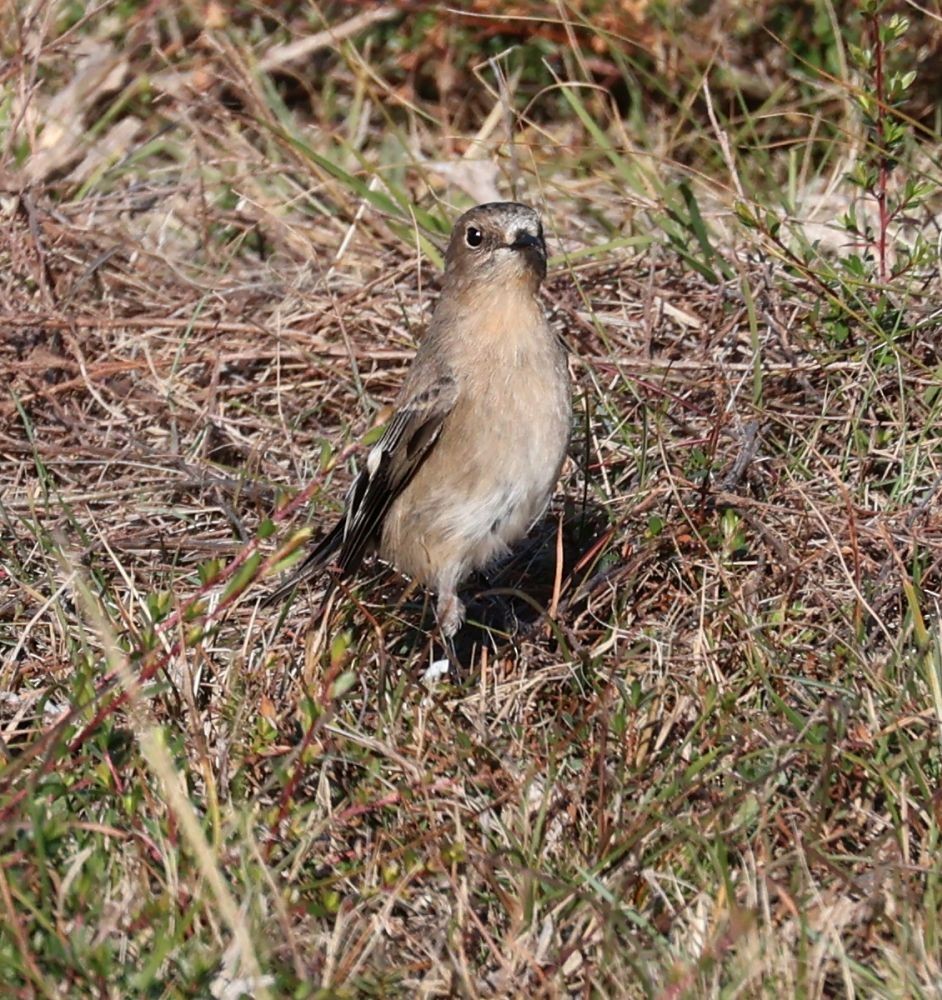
{"x": 449, "y": 611}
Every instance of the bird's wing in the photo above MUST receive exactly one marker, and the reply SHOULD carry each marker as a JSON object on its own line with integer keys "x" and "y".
{"x": 408, "y": 440}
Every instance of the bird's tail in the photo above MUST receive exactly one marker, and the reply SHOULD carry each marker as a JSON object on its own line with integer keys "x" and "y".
{"x": 315, "y": 564}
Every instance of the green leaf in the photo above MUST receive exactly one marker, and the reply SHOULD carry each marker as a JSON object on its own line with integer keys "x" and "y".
{"x": 746, "y": 215}
{"x": 158, "y": 604}
{"x": 339, "y": 647}
{"x": 243, "y": 577}
{"x": 209, "y": 571}
{"x": 343, "y": 684}
{"x": 292, "y": 551}
{"x": 327, "y": 452}
{"x": 373, "y": 435}
{"x": 195, "y": 608}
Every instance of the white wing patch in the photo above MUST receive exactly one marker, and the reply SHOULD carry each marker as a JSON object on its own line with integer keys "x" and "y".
{"x": 374, "y": 458}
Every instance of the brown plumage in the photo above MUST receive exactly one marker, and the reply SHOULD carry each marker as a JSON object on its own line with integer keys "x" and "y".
{"x": 472, "y": 454}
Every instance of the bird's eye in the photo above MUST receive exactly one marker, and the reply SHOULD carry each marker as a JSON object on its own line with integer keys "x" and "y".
{"x": 473, "y": 237}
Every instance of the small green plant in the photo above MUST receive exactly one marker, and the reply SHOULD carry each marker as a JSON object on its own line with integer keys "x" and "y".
{"x": 888, "y": 252}
{"x": 880, "y": 99}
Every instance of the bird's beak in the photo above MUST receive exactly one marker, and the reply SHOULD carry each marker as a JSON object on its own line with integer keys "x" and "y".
{"x": 523, "y": 240}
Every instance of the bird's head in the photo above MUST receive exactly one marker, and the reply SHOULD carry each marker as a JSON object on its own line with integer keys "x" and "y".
{"x": 500, "y": 243}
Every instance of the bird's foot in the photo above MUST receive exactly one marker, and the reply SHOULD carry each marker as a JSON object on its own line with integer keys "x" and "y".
{"x": 450, "y": 614}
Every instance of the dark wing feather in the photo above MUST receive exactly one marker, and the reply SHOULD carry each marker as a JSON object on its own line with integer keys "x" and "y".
{"x": 393, "y": 461}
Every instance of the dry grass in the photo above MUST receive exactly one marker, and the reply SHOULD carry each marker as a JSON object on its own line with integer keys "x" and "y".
{"x": 715, "y": 770}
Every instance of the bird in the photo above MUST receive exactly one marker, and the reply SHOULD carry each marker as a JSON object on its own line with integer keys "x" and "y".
{"x": 472, "y": 453}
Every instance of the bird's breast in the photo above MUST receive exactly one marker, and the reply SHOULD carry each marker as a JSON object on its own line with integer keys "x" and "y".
{"x": 493, "y": 469}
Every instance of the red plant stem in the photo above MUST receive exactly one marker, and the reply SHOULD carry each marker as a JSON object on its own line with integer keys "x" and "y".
{"x": 884, "y": 172}
{"x": 154, "y": 660}
{"x": 284, "y": 513}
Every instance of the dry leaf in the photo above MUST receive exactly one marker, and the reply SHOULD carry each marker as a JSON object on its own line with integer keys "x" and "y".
{"x": 99, "y": 71}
